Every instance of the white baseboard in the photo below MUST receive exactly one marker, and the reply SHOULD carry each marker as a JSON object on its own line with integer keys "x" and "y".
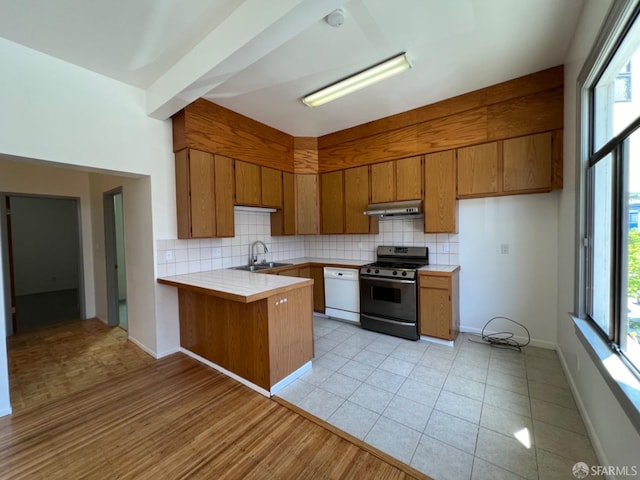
{"x": 439, "y": 341}
{"x": 267, "y": 393}
{"x": 290, "y": 378}
{"x": 226, "y": 372}
{"x": 534, "y": 342}
{"x": 145, "y": 348}
{"x": 595, "y": 441}
{"x": 168, "y": 352}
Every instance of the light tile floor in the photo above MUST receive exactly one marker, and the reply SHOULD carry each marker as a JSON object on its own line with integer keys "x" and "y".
{"x": 465, "y": 412}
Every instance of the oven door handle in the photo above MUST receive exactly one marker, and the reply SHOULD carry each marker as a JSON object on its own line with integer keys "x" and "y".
{"x": 387, "y": 320}
{"x": 388, "y": 280}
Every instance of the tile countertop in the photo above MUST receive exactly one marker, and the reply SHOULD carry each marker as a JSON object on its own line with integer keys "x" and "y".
{"x": 235, "y": 285}
{"x": 439, "y": 268}
{"x": 245, "y": 287}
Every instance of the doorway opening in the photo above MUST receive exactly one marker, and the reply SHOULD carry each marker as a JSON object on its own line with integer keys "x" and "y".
{"x": 115, "y": 259}
{"x": 44, "y": 261}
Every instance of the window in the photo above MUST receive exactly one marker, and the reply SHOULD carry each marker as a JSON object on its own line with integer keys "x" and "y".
{"x": 623, "y": 84}
{"x": 612, "y": 253}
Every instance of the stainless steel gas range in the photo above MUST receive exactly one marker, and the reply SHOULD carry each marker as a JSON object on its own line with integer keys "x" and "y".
{"x": 389, "y": 291}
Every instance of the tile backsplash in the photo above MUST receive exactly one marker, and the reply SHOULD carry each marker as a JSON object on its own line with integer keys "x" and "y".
{"x": 175, "y": 257}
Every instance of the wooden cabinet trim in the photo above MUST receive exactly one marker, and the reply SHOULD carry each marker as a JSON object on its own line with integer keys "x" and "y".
{"x": 548, "y": 79}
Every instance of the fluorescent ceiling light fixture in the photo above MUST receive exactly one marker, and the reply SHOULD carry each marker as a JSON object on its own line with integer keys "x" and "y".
{"x": 360, "y": 80}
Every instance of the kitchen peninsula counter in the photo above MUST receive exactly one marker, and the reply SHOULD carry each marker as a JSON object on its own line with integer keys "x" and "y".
{"x": 255, "y": 328}
{"x": 236, "y": 285}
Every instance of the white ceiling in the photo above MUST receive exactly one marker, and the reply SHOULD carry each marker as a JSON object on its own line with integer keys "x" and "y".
{"x": 260, "y": 57}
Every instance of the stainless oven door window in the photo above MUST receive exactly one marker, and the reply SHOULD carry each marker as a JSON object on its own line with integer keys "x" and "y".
{"x": 389, "y": 298}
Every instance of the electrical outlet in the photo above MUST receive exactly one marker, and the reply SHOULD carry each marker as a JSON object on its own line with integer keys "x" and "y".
{"x": 504, "y": 249}
{"x": 445, "y": 248}
{"x": 168, "y": 255}
{"x": 216, "y": 252}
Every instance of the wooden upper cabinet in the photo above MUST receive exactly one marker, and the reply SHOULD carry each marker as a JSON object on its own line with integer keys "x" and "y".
{"x": 332, "y": 202}
{"x": 224, "y": 194}
{"x": 356, "y": 199}
{"x": 528, "y": 163}
{"x": 248, "y": 184}
{"x": 271, "y": 187}
{"x": 396, "y": 180}
{"x": 204, "y": 194}
{"x": 383, "y": 182}
{"x": 409, "y": 178}
{"x": 478, "y": 170}
{"x": 194, "y": 194}
{"x": 307, "y": 204}
{"x": 440, "y": 204}
{"x": 283, "y": 222}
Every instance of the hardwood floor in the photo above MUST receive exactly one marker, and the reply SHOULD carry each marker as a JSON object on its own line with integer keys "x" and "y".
{"x": 175, "y": 418}
{"x": 52, "y": 362}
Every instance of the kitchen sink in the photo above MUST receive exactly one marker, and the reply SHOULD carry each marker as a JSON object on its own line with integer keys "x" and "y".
{"x": 273, "y": 264}
{"x": 260, "y": 266}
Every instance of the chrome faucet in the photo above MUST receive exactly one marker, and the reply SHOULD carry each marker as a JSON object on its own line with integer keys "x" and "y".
{"x": 253, "y": 258}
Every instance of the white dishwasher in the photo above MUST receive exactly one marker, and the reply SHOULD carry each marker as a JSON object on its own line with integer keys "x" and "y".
{"x": 342, "y": 293}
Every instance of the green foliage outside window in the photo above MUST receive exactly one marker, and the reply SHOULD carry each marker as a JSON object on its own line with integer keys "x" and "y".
{"x": 634, "y": 264}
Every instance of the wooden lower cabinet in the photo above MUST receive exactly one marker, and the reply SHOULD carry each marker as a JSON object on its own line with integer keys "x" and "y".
{"x": 317, "y": 274}
{"x": 289, "y": 272}
{"x": 439, "y": 304}
{"x": 262, "y": 341}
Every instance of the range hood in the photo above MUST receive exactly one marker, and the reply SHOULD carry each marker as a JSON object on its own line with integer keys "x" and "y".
{"x": 407, "y": 209}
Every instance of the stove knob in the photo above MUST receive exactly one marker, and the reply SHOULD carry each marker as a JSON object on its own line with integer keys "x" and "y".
{"x": 377, "y": 271}
{"x": 368, "y": 270}
{"x": 395, "y": 273}
{"x": 404, "y": 274}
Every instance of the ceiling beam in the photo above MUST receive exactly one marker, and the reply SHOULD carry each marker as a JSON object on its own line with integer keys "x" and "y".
{"x": 253, "y": 30}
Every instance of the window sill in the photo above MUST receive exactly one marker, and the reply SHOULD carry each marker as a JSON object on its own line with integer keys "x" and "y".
{"x": 624, "y": 385}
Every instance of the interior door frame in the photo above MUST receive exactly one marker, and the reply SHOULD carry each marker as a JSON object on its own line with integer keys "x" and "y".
{"x": 111, "y": 256}
{"x": 7, "y": 255}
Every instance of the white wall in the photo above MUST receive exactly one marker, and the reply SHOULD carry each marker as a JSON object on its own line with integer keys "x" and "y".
{"x": 53, "y": 111}
{"x": 615, "y": 439}
{"x": 45, "y": 244}
{"x": 521, "y": 284}
{"x": 136, "y": 201}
